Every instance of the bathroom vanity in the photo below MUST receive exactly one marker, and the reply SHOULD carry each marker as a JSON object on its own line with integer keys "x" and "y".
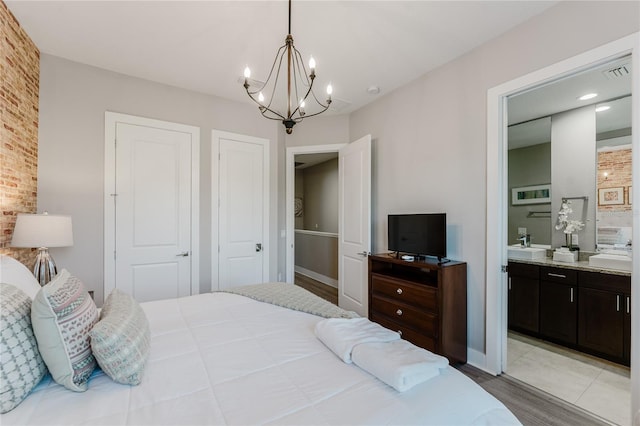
{"x": 572, "y": 304}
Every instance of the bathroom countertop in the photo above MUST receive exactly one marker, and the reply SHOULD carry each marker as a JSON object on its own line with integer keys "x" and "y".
{"x": 581, "y": 265}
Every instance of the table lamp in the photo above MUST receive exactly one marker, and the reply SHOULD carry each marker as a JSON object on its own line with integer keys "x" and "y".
{"x": 43, "y": 231}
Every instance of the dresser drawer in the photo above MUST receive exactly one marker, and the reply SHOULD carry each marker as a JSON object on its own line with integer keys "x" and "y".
{"x": 427, "y": 342}
{"x": 420, "y": 296}
{"x": 423, "y": 322}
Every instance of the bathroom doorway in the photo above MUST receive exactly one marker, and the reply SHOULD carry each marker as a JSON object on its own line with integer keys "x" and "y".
{"x": 497, "y": 200}
{"x": 575, "y": 148}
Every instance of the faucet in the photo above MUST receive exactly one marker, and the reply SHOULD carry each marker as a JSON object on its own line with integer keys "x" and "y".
{"x": 525, "y": 240}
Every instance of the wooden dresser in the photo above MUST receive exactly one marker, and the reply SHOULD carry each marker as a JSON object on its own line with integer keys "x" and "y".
{"x": 426, "y": 302}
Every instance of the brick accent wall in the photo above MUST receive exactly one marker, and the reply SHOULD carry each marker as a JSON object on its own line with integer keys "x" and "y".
{"x": 19, "y": 85}
{"x": 617, "y": 165}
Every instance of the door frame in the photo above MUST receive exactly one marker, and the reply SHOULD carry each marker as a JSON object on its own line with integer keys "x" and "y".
{"x": 216, "y": 135}
{"x": 496, "y": 225}
{"x": 110, "y": 121}
{"x": 290, "y": 177}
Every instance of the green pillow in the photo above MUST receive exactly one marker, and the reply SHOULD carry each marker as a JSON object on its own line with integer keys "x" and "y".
{"x": 120, "y": 340}
{"x": 22, "y": 367}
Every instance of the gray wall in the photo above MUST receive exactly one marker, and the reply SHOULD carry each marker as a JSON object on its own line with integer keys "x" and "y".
{"x": 429, "y": 137}
{"x": 530, "y": 165}
{"x": 573, "y": 171}
{"x": 321, "y": 197}
{"x": 73, "y": 100}
{"x": 317, "y": 253}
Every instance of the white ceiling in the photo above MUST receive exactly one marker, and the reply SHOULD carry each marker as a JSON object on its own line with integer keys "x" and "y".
{"x": 204, "y": 45}
{"x": 525, "y": 110}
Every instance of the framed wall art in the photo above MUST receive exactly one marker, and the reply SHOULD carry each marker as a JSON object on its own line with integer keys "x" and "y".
{"x": 535, "y": 194}
{"x": 610, "y": 196}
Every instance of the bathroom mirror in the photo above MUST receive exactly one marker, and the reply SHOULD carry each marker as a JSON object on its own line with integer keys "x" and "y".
{"x": 589, "y": 164}
{"x": 614, "y": 216}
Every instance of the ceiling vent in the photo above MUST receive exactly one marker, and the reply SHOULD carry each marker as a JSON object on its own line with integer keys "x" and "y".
{"x": 618, "y": 71}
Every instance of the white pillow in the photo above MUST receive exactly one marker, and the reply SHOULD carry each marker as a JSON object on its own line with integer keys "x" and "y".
{"x": 15, "y": 273}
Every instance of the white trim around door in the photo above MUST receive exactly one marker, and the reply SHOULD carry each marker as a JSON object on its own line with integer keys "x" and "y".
{"x": 496, "y": 226}
{"x": 111, "y": 119}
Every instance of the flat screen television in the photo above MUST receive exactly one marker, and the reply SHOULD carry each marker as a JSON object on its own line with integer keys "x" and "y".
{"x": 418, "y": 234}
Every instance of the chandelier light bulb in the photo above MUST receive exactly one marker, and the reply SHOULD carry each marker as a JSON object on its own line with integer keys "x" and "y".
{"x": 247, "y": 72}
{"x": 302, "y": 104}
{"x": 329, "y": 89}
{"x": 312, "y": 63}
{"x": 260, "y": 97}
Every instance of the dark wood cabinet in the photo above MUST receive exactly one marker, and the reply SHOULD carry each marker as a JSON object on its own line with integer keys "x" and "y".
{"x": 584, "y": 310}
{"x": 602, "y": 321}
{"x": 423, "y": 300}
{"x": 558, "y": 305}
{"x": 524, "y": 297}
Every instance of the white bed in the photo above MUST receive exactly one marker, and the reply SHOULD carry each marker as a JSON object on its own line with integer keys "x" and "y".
{"x": 222, "y": 358}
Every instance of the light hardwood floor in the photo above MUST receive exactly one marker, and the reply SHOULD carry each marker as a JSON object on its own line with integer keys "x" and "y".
{"x": 316, "y": 287}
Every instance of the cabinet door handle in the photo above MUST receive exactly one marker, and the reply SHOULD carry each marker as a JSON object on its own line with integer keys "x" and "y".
{"x": 628, "y": 304}
{"x": 399, "y": 312}
{"x": 399, "y": 291}
{"x": 556, "y": 275}
{"x": 571, "y": 294}
{"x": 509, "y": 283}
{"x": 617, "y": 303}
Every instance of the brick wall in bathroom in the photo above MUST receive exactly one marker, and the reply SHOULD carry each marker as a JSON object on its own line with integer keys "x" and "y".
{"x": 19, "y": 85}
{"x": 617, "y": 166}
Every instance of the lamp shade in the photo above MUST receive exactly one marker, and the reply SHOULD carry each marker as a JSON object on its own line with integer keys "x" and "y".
{"x": 42, "y": 230}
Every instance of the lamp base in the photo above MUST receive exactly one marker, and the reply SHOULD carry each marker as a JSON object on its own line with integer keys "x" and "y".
{"x": 45, "y": 268}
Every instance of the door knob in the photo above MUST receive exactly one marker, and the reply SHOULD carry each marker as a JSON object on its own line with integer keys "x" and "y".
{"x": 183, "y": 254}
{"x": 258, "y": 247}
{"x": 363, "y": 253}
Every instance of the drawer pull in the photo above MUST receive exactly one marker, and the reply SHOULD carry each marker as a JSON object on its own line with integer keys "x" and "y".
{"x": 400, "y": 332}
{"x": 556, "y": 275}
{"x": 399, "y": 291}
{"x": 399, "y": 312}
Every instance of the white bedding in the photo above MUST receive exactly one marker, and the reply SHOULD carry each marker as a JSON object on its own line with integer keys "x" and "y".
{"x": 221, "y": 358}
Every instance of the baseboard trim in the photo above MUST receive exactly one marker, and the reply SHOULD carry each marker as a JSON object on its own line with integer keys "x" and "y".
{"x": 316, "y": 276}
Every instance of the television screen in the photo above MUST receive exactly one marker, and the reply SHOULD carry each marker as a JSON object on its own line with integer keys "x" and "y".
{"x": 418, "y": 234}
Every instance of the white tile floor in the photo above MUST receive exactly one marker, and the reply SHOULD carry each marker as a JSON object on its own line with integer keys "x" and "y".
{"x": 598, "y": 386}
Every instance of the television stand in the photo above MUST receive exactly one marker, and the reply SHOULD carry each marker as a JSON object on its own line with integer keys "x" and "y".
{"x": 424, "y": 300}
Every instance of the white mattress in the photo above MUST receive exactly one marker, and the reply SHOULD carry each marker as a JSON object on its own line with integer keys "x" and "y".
{"x": 226, "y": 359}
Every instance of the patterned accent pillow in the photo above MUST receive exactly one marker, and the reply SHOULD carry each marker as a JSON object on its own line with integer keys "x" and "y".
{"x": 120, "y": 340}
{"x": 21, "y": 366}
{"x": 62, "y": 314}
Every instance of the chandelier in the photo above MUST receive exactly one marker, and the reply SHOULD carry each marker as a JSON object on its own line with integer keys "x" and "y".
{"x": 299, "y": 86}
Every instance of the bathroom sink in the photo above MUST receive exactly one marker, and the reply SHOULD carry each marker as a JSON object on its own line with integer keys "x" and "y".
{"x": 611, "y": 261}
{"x": 526, "y": 253}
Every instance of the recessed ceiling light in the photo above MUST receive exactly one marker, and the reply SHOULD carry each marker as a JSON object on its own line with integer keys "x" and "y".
{"x": 588, "y": 96}
{"x": 602, "y": 108}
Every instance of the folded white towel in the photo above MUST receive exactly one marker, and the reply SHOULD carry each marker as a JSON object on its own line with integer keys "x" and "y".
{"x": 400, "y": 364}
{"x": 342, "y": 334}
